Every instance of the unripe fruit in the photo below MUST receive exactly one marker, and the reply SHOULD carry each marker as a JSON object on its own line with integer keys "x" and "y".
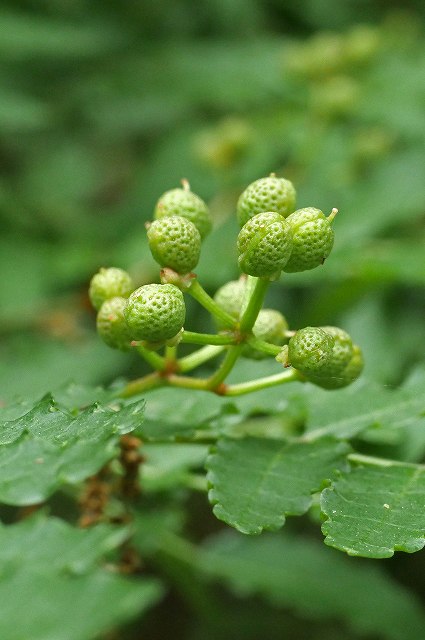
{"x": 346, "y": 376}
{"x": 309, "y": 350}
{"x": 175, "y": 242}
{"x": 264, "y": 245}
{"x": 112, "y": 326}
{"x": 342, "y": 352}
{"x": 312, "y": 239}
{"x": 230, "y": 297}
{"x": 109, "y": 283}
{"x": 182, "y": 202}
{"x": 270, "y": 326}
{"x": 266, "y": 194}
{"x": 155, "y": 312}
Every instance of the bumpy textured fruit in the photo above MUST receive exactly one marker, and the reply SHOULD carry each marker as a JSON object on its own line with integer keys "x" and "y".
{"x": 310, "y": 349}
{"x": 230, "y": 297}
{"x": 112, "y": 326}
{"x": 266, "y": 194}
{"x": 155, "y": 312}
{"x": 264, "y": 245}
{"x": 312, "y": 239}
{"x": 109, "y": 283}
{"x": 175, "y": 242}
{"x": 182, "y": 202}
{"x": 270, "y": 326}
{"x": 345, "y": 376}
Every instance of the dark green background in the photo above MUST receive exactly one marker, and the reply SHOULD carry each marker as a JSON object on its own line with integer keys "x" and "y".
{"x": 106, "y": 104}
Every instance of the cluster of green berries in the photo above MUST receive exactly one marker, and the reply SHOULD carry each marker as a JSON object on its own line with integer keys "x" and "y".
{"x": 326, "y": 356}
{"x": 273, "y": 238}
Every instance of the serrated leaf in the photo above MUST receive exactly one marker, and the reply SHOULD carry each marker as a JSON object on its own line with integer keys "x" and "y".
{"x": 54, "y": 569}
{"x": 163, "y": 422}
{"x": 49, "y": 446}
{"x": 376, "y": 509}
{"x": 291, "y": 571}
{"x": 256, "y": 482}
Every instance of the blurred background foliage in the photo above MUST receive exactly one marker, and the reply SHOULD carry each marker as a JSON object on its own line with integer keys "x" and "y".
{"x": 106, "y": 104}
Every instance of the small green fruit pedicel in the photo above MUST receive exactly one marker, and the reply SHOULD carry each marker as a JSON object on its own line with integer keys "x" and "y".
{"x": 155, "y": 312}
{"x": 264, "y": 245}
{"x": 185, "y": 203}
{"x": 175, "y": 242}
{"x": 109, "y": 283}
{"x": 266, "y": 194}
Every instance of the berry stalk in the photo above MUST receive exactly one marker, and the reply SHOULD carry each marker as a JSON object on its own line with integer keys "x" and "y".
{"x": 291, "y": 375}
{"x": 195, "y": 359}
{"x": 254, "y": 305}
{"x": 200, "y": 295}
{"x": 192, "y": 337}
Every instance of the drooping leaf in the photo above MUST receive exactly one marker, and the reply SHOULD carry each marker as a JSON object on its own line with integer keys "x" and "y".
{"x": 168, "y": 417}
{"x": 256, "y": 482}
{"x": 66, "y": 592}
{"x": 49, "y": 446}
{"x": 376, "y": 509}
{"x": 306, "y": 577}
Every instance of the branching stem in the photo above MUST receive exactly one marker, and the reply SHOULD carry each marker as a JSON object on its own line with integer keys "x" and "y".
{"x": 200, "y": 295}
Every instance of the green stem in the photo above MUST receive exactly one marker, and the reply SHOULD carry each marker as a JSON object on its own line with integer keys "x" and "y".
{"x": 187, "y": 383}
{"x": 207, "y": 338}
{"x": 200, "y": 295}
{"x": 154, "y": 359}
{"x": 171, "y": 353}
{"x": 196, "y": 482}
{"x": 261, "y": 383}
{"x": 359, "y": 458}
{"x": 265, "y": 347}
{"x": 225, "y": 368}
{"x": 198, "y": 357}
{"x": 151, "y": 381}
{"x": 255, "y": 303}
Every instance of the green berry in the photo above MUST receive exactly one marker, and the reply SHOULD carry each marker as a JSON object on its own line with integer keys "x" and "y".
{"x": 111, "y": 324}
{"x": 109, "y": 283}
{"x": 230, "y": 297}
{"x": 310, "y": 349}
{"x": 264, "y": 245}
{"x": 155, "y": 312}
{"x": 266, "y": 194}
{"x": 175, "y": 242}
{"x": 342, "y": 352}
{"x": 270, "y": 326}
{"x": 345, "y": 376}
{"x": 312, "y": 239}
{"x": 182, "y": 202}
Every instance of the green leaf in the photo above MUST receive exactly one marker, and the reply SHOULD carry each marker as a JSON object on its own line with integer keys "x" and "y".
{"x": 162, "y": 420}
{"x": 48, "y": 446}
{"x": 291, "y": 571}
{"x": 166, "y": 466}
{"x": 376, "y": 509}
{"x": 361, "y": 405}
{"x": 56, "y": 571}
{"x": 256, "y": 482}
